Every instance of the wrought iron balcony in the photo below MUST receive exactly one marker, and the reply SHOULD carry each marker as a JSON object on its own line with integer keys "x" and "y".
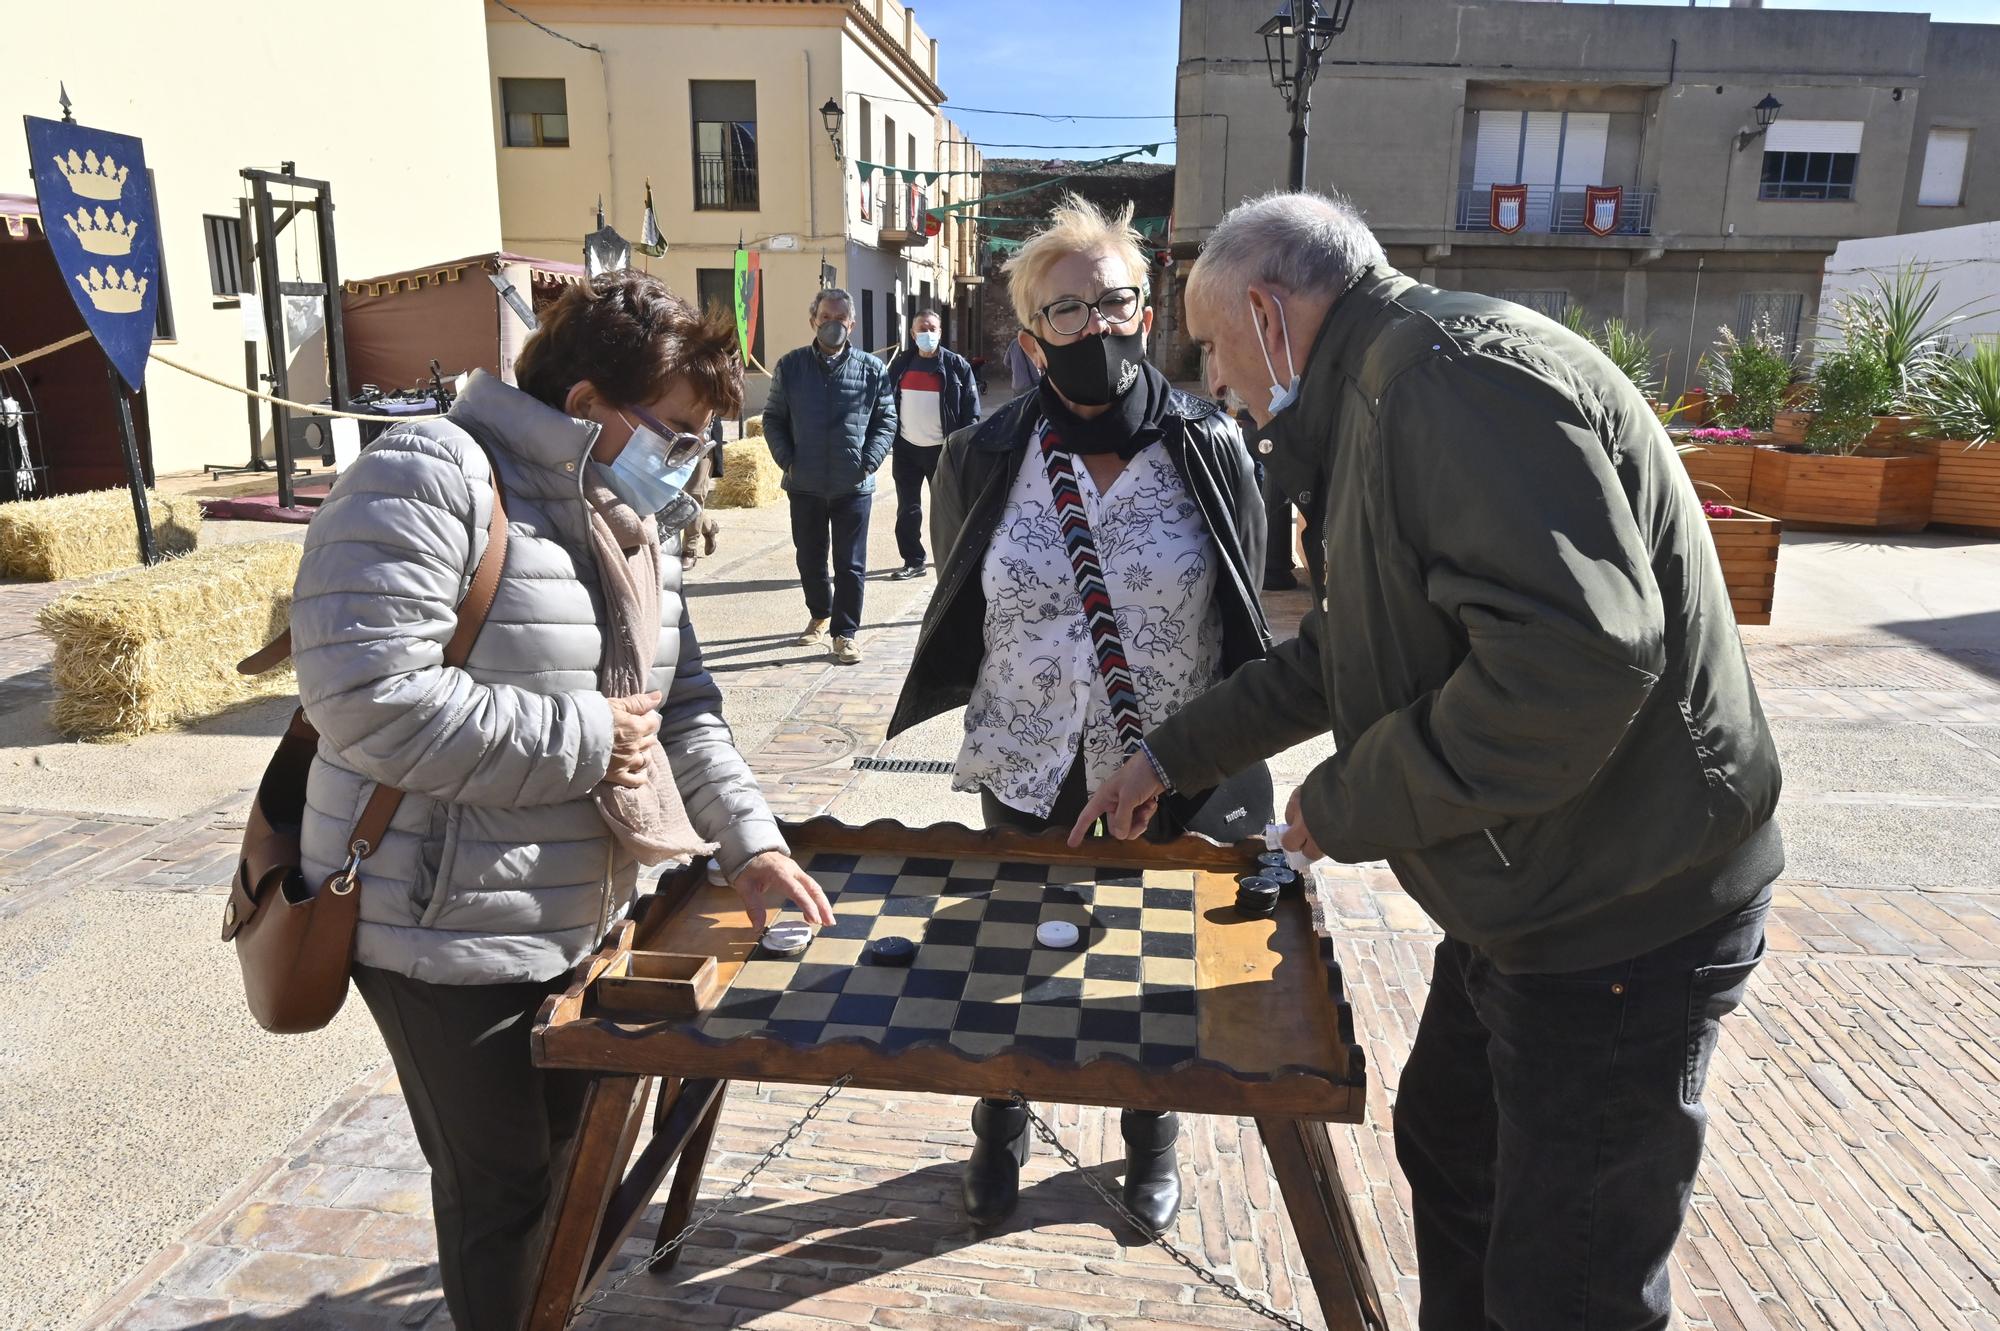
{"x": 725, "y": 182}
{"x": 1556, "y": 212}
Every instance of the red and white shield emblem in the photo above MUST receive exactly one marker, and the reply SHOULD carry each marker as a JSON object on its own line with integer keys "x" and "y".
{"x": 1600, "y": 208}
{"x": 1510, "y": 207}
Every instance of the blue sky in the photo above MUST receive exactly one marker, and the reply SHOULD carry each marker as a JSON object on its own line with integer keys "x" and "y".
{"x": 1117, "y": 57}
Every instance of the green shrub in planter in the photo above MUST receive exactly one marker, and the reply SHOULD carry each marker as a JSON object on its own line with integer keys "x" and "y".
{"x": 1847, "y": 384}
{"x": 1753, "y": 371}
{"x": 1624, "y": 346}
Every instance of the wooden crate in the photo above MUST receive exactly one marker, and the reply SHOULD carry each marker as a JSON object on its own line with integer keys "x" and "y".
{"x": 1747, "y": 545}
{"x": 1720, "y": 472}
{"x": 1888, "y": 492}
{"x": 1967, "y": 497}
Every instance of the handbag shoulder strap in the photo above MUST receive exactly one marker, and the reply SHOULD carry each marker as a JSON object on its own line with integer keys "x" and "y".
{"x": 384, "y": 800}
{"x": 1120, "y": 690}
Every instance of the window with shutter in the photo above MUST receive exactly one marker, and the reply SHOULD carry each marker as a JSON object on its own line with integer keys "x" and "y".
{"x": 725, "y": 144}
{"x": 1943, "y": 183}
{"x": 536, "y": 112}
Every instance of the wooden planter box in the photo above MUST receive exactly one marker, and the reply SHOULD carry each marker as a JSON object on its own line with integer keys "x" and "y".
{"x": 1886, "y": 492}
{"x": 1967, "y": 496}
{"x": 1699, "y": 409}
{"x": 1789, "y": 427}
{"x": 1892, "y": 431}
{"x": 1721, "y": 472}
{"x": 1747, "y": 544}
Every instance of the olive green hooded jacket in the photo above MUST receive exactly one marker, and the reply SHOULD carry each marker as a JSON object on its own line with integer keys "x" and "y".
{"x": 1525, "y": 649}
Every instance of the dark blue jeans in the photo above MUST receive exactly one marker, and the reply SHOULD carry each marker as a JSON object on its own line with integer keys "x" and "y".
{"x": 839, "y": 523}
{"x": 1551, "y": 1125}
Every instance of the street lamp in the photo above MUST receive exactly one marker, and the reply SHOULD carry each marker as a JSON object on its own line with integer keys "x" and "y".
{"x": 830, "y": 115}
{"x": 1295, "y": 38}
{"x": 1766, "y": 112}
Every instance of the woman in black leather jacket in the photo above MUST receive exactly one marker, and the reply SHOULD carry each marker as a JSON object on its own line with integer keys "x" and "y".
{"x": 1102, "y": 539}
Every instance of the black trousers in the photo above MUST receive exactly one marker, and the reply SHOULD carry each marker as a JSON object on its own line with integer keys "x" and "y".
{"x": 493, "y": 1126}
{"x": 837, "y": 525}
{"x": 913, "y": 466}
{"x": 1551, "y": 1125}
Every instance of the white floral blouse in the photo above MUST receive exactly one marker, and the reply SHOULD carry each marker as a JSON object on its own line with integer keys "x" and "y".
{"x": 1038, "y": 694}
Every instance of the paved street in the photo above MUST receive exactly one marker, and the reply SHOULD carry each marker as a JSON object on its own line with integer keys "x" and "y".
{"x": 170, "y": 1167}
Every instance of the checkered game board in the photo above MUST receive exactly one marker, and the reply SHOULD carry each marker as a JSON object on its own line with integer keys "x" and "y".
{"x": 980, "y": 981}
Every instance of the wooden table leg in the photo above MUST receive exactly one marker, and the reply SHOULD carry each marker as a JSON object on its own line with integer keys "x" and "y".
{"x": 604, "y": 1140}
{"x": 1308, "y": 1175}
{"x": 687, "y": 1181}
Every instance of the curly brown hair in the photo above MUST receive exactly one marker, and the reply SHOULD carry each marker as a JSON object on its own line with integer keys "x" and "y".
{"x": 632, "y": 339}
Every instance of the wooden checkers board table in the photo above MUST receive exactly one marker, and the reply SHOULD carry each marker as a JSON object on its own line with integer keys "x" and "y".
{"x": 1169, "y": 1000}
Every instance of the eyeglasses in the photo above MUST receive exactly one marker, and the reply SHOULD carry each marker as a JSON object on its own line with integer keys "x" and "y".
{"x": 1069, "y": 316}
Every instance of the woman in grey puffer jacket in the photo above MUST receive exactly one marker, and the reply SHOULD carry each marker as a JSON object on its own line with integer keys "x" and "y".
{"x": 582, "y": 738}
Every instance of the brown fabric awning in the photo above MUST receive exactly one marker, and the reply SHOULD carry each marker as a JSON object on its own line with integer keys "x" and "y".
{"x": 398, "y": 323}
{"x": 545, "y": 272}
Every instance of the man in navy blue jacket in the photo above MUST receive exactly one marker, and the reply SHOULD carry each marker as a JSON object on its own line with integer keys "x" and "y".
{"x": 829, "y": 422}
{"x": 935, "y": 398}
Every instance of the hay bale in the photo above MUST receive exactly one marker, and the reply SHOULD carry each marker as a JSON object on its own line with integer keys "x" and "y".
{"x": 750, "y": 476}
{"x": 754, "y": 428}
{"x": 74, "y": 536}
{"x": 156, "y": 647}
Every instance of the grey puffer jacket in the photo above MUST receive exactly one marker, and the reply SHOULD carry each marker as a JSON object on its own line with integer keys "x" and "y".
{"x": 498, "y": 867}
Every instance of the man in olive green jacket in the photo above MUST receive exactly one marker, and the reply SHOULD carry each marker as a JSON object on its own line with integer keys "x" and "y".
{"x": 1545, "y": 724}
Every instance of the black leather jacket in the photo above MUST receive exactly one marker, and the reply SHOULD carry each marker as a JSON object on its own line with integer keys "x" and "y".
{"x": 970, "y": 492}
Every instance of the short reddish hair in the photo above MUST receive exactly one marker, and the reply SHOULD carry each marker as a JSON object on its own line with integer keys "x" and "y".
{"x": 633, "y": 340}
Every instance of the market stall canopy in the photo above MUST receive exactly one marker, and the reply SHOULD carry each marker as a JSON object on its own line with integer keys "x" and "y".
{"x": 450, "y": 312}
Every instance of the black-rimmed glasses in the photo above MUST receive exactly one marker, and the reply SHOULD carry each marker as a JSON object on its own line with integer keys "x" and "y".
{"x": 1069, "y": 316}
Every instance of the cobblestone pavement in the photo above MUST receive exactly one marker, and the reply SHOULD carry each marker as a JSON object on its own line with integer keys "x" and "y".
{"x": 1852, "y": 1179}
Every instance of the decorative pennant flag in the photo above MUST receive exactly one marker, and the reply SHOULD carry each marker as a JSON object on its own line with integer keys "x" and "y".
{"x": 650, "y": 240}
{"x": 749, "y": 295}
{"x": 867, "y": 194}
{"x": 104, "y": 233}
{"x": 1509, "y": 208}
{"x": 1601, "y": 204}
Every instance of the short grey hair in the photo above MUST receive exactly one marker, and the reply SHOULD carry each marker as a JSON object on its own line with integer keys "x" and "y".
{"x": 826, "y": 294}
{"x": 1298, "y": 241}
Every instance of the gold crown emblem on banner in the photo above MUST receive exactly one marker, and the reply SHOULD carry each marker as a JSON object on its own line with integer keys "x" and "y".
{"x": 92, "y": 178}
{"x": 103, "y": 235}
{"x": 114, "y": 292}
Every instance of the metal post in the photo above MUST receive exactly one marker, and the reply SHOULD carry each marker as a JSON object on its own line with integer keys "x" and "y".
{"x": 329, "y": 274}
{"x": 1309, "y": 56}
{"x": 268, "y": 281}
{"x": 128, "y": 439}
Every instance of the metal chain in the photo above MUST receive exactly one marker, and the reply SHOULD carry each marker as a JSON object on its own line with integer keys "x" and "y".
{"x": 715, "y": 1208}
{"x": 1227, "y": 1288}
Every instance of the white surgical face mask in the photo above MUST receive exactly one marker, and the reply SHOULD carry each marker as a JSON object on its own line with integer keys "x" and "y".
{"x": 1281, "y": 396}
{"x": 927, "y": 342}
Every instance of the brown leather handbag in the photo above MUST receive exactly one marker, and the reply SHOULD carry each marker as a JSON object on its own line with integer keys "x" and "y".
{"x": 294, "y": 943}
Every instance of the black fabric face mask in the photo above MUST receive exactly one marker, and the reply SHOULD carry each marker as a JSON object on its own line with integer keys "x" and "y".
{"x": 1097, "y": 369}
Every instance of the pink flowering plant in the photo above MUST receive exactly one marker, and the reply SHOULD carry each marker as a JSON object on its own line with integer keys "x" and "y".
{"x": 1717, "y": 436}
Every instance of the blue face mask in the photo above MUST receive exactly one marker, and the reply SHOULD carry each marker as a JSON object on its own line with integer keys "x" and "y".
{"x": 927, "y": 342}
{"x": 652, "y": 471}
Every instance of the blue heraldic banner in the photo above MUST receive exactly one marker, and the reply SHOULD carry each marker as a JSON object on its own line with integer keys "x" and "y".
{"x": 97, "y": 209}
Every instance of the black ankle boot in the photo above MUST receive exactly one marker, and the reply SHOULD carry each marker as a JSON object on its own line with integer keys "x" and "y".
{"x": 993, "y": 1174}
{"x": 1152, "y": 1175}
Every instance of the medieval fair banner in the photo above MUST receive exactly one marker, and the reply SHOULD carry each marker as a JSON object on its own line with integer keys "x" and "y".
{"x": 1510, "y": 207}
{"x": 1601, "y": 204}
{"x": 749, "y": 295}
{"x": 97, "y": 211}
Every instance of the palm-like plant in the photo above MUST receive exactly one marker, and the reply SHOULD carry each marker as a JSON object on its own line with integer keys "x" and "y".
{"x": 1963, "y": 398}
{"x": 1632, "y": 352}
{"x": 1897, "y": 323}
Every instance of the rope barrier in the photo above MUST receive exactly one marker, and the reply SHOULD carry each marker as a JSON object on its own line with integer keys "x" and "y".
{"x": 310, "y": 408}
{"x": 49, "y": 350}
